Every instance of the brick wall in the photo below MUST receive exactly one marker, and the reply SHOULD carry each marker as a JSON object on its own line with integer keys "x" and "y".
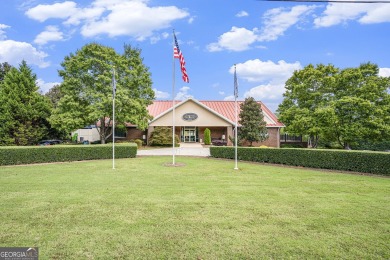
{"x": 134, "y": 133}
{"x": 272, "y": 141}
{"x": 216, "y": 132}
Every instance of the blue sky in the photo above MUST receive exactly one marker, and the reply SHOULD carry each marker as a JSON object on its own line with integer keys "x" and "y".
{"x": 267, "y": 40}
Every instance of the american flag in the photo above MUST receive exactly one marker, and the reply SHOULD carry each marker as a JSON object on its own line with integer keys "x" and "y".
{"x": 178, "y": 55}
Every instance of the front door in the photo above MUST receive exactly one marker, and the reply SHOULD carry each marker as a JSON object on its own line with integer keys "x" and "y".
{"x": 189, "y": 134}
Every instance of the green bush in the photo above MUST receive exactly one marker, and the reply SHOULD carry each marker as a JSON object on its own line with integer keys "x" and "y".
{"x": 139, "y": 142}
{"x": 357, "y": 161}
{"x": 162, "y": 136}
{"x": 207, "y": 136}
{"x": 372, "y": 146}
{"x": 293, "y": 145}
{"x": 14, "y": 155}
{"x": 75, "y": 138}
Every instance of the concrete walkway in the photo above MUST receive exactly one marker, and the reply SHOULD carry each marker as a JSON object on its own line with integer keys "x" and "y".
{"x": 185, "y": 149}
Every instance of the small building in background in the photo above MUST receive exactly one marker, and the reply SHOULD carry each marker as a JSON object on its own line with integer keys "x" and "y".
{"x": 88, "y": 133}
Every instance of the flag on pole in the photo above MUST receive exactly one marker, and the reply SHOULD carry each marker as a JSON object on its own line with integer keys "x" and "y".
{"x": 177, "y": 54}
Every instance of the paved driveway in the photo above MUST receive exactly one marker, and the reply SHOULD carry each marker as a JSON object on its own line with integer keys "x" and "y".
{"x": 184, "y": 150}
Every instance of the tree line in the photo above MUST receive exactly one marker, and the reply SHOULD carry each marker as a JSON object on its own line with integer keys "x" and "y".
{"x": 346, "y": 106}
{"x": 83, "y": 98}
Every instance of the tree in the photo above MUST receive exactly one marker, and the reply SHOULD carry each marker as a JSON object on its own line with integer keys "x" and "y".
{"x": 87, "y": 89}
{"x": 23, "y": 110}
{"x": 4, "y": 69}
{"x": 54, "y": 95}
{"x": 345, "y": 106}
{"x": 162, "y": 136}
{"x": 253, "y": 127}
{"x": 360, "y": 108}
{"x": 306, "y": 92}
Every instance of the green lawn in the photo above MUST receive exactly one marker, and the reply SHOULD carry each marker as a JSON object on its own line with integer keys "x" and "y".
{"x": 204, "y": 210}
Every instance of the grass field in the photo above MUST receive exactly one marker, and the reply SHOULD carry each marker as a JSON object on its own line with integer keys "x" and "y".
{"x": 204, "y": 210}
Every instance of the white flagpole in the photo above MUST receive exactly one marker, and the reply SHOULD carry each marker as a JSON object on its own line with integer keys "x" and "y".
{"x": 113, "y": 119}
{"x": 235, "y": 105}
{"x": 173, "y": 104}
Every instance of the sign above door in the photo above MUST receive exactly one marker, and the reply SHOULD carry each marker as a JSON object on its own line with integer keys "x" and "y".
{"x": 190, "y": 116}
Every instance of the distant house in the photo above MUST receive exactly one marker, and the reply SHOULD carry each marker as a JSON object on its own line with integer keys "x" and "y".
{"x": 88, "y": 133}
{"x": 192, "y": 117}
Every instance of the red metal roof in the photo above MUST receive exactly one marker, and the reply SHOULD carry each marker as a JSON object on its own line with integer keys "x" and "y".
{"x": 223, "y": 108}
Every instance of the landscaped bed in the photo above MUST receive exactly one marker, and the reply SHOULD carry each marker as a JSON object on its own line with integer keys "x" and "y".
{"x": 204, "y": 209}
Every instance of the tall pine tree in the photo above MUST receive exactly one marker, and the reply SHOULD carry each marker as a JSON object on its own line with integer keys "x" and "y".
{"x": 253, "y": 127}
{"x": 23, "y": 110}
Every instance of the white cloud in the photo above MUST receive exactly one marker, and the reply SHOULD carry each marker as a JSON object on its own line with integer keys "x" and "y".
{"x": 160, "y": 94}
{"x": 58, "y": 10}
{"x": 266, "y": 71}
{"x": 378, "y": 13}
{"x": 183, "y": 94}
{"x": 266, "y": 92}
{"x": 133, "y": 18}
{"x": 14, "y": 52}
{"x": 84, "y": 14}
{"x": 113, "y": 18}
{"x": 191, "y": 19}
{"x": 229, "y": 98}
{"x": 271, "y": 76}
{"x": 237, "y": 39}
{"x": 278, "y": 20}
{"x": 271, "y": 94}
{"x": 242, "y": 14}
{"x": 222, "y": 93}
{"x": 156, "y": 38}
{"x": 2, "y": 32}
{"x": 384, "y": 72}
{"x": 364, "y": 13}
{"x": 46, "y": 86}
{"x": 51, "y": 33}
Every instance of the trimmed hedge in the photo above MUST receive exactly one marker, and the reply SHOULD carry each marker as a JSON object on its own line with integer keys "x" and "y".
{"x": 357, "y": 161}
{"x": 14, "y": 155}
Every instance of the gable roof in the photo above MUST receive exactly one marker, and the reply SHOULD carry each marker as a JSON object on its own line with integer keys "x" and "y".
{"x": 223, "y": 109}
{"x": 179, "y": 103}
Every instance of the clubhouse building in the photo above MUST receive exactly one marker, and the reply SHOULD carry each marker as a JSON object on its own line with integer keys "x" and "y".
{"x": 192, "y": 117}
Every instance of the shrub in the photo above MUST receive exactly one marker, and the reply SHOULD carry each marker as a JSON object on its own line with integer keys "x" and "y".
{"x": 357, "y": 161}
{"x": 13, "y": 155}
{"x": 373, "y": 146}
{"x": 162, "y": 136}
{"x": 207, "y": 136}
{"x": 293, "y": 145}
{"x": 233, "y": 140}
{"x": 75, "y": 137}
{"x": 139, "y": 142}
